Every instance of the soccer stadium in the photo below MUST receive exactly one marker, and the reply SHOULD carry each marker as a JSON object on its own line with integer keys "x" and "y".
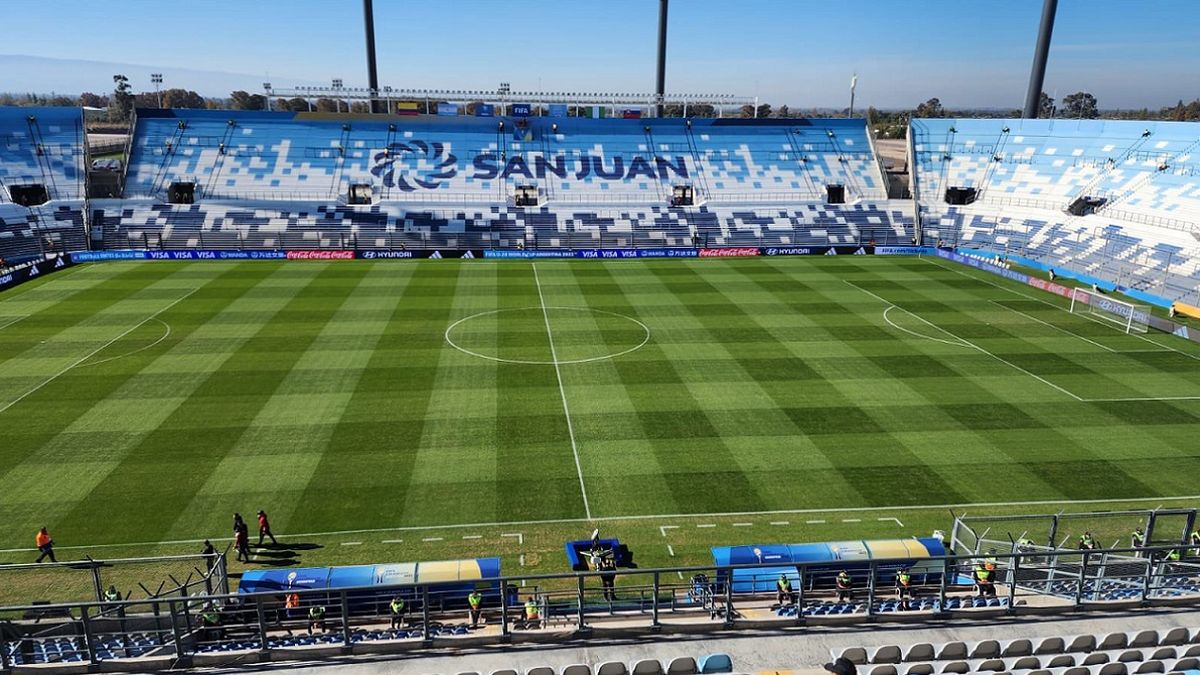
{"x": 544, "y": 383}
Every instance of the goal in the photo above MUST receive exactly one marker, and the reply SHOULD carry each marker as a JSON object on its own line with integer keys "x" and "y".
{"x": 1130, "y": 318}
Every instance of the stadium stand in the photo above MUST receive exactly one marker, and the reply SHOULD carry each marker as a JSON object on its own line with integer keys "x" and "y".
{"x": 1116, "y": 200}
{"x": 42, "y": 181}
{"x": 301, "y": 180}
{"x": 1119, "y": 653}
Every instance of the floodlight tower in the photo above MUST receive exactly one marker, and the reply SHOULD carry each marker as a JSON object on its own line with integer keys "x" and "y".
{"x": 1033, "y": 97}
{"x": 372, "y": 73}
{"x": 156, "y": 79}
{"x": 660, "y": 83}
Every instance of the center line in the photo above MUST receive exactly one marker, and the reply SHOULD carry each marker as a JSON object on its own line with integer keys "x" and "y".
{"x": 587, "y": 509}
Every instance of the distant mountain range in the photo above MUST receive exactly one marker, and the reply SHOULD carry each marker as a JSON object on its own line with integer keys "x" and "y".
{"x": 70, "y": 77}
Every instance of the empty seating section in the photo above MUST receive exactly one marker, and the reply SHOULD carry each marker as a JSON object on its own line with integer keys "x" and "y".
{"x": 42, "y": 146}
{"x": 289, "y": 156}
{"x": 1126, "y": 653}
{"x": 42, "y": 181}
{"x": 141, "y": 223}
{"x": 1134, "y": 186}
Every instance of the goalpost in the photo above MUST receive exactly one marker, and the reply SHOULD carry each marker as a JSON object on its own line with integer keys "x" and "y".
{"x": 1129, "y": 317}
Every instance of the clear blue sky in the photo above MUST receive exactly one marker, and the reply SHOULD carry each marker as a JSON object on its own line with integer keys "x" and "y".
{"x": 977, "y": 53}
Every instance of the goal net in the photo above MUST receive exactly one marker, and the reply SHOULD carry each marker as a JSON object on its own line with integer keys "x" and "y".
{"x": 1127, "y": 316}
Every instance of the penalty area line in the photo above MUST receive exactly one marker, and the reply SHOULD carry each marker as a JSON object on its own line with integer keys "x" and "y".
{"x": 1006, "y": 362}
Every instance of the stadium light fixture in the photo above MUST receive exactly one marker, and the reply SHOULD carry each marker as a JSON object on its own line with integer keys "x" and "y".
{"x": 157, "y": 79}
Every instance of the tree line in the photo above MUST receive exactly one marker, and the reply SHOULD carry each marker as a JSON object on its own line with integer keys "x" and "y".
{"x": 122, "y": 100}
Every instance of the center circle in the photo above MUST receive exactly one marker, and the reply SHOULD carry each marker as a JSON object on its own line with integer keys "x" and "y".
{"x": 572, "y": 334}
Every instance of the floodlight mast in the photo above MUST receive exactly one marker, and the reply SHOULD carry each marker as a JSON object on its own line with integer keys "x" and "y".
{"x": 660, "y": 82}
{"x": 372, "y": 72}
{"x": 1033, "y": 97}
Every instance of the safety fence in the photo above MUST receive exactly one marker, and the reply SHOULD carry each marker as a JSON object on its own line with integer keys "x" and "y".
{"x": 202, "y": 627}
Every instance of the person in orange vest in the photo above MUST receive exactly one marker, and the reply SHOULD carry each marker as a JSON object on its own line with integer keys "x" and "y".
{"x": 291, "y": 608}
{"x": 264, "y": 529}
{"x": 45, "y": 545}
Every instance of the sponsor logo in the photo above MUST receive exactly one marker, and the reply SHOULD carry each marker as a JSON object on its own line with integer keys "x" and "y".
{"x": 436, "y": 255}
{"x": 860, "y": 251}
{"x": 320, "y": 255}
{"x": 607, "y": 253}
{"x": 736, "y": 252}
{"x": 387, "y": 255}
{"x": 831, "y": 251}
{"x": 788, "y": 250}
{"x": 468, "y": 256}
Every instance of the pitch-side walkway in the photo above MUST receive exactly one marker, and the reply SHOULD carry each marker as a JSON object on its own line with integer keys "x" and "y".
{"x": 798, "y": 650}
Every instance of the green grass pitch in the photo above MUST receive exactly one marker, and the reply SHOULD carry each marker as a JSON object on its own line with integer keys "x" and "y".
{"x": 146, "y": 402}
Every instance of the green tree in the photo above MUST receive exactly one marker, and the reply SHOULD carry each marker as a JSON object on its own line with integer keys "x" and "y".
{"x": 746, "y": 111}
{"x": 182, "y": 98}
{"x": 89, "y": 100}
{"x": 243, "y": 100}
{"x": 783, "y": 112}
{"x": 121, "y": 104}
{"x": 931, "y": 108}
{"x": 1045, "y": 106}
{"x": 1080, "y": 105}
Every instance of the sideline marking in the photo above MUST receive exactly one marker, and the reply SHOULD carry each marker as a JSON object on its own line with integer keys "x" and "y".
{"x": 520, "y": 538}
{"x": 553, "y": 361}
{"x": 97, "y": 350}
{"x": 663, "y": 528}
{"x": 670, "y": 516}
{"x": 851, "y": 520}
{"x": 743, "y": 524}
{"x": 164, "y": 336}
{"x": 351, "y": 543}
{"x": 1010, "y": 364}
{"x": 780, "y": 522}
{"x": 587, "y": 509}
{"x": 1057, "y": 328}
{"x": 392, "y": 541}
{"x": 706, "y": 525}
{"x": 895, "y": 520}
{"x": 432, "y": 539}
{"x": 472, "y": 536}
{"x": 670, "y": 550}
{"x": 814, "y": 522}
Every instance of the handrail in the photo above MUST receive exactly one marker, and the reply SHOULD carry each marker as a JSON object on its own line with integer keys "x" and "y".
{"x": 1011, "y": 556}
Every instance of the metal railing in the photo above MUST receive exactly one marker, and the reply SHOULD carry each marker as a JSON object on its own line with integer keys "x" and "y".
{"x": 210, "y": 628}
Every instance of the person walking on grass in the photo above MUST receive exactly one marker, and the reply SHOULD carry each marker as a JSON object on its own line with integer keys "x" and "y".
{"x": 241, "y": 542}
{"x": 264, "y": 529}
{"x": 45, "y": 545}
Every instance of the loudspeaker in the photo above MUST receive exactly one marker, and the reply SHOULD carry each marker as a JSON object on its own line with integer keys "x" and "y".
{"x": 181, "y": 193}
{"x": 527, "y": 195}
{"x": 28, "y": 195}
{"x": 360, "y": 194}
{"x": 835, "y": 194}
{"x": 960, "y": 195}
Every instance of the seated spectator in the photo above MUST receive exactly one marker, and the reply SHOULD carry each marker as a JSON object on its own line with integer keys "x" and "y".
{"x": 904, "y": 589}
{"x": 985, "y": 579}
{"x": 316, "y": 619}
{"x": 784, "y": 593}
{"x": 845, "y": 589}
